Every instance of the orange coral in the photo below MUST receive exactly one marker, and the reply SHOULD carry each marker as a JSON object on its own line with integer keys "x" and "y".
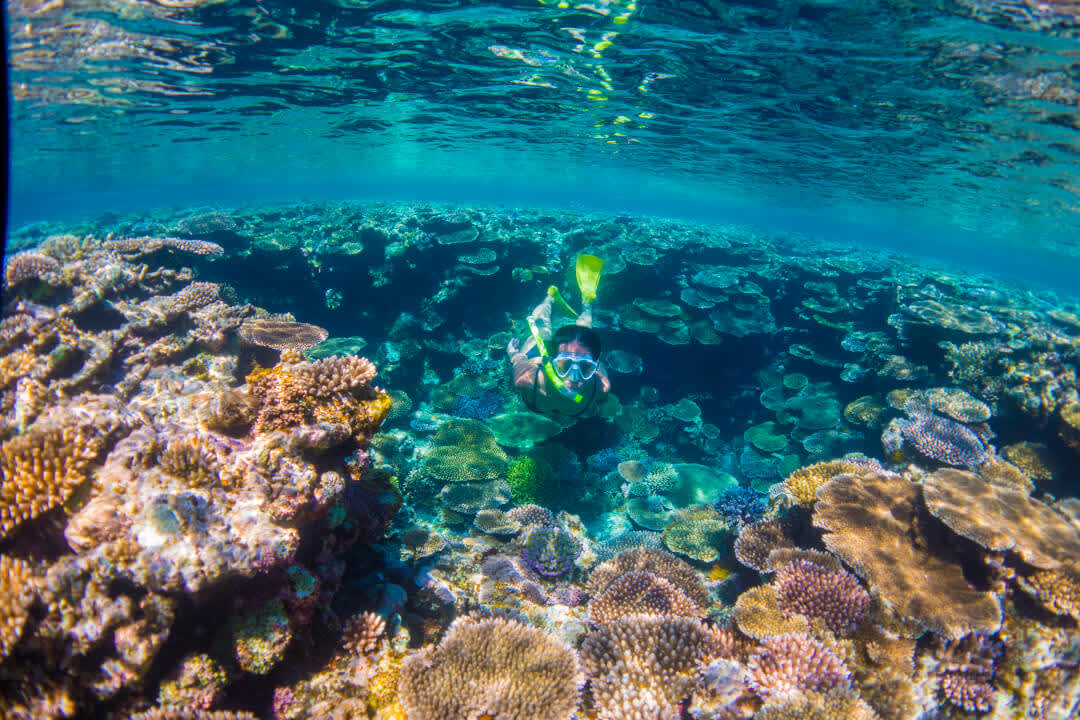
{"x": 16, "y": 594}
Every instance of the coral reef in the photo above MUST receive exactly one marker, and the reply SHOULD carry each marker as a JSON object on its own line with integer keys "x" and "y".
{"x": 834, "y": 595}
{"x": 491, "y": 666}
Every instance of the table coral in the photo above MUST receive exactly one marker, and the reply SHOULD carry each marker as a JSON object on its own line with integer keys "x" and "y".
{"x": 999, "y": 518}
{"x": 281, "y": 334}
{"x": 757, "y": 540}
{"x": 876, "y": 524}
{"x": 802, "y": 485}
{"x": 698, "y": 532}
{"x": 491, "y": 666}
{"x": 758, "y": 614}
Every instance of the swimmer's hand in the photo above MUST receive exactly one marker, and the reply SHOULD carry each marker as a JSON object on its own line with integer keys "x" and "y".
{"x": 513, "y": 347}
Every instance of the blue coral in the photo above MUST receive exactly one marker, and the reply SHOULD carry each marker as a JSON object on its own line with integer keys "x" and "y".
{"x": 550, "y": 551}
{"x": 740, "y": 506}
{"x": 604, "y": 461}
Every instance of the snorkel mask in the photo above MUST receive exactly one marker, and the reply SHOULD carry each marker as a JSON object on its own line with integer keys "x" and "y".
{"x": 574, "y": 367}
{"x": 572, "y": 362}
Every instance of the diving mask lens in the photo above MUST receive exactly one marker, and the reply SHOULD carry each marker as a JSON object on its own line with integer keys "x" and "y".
{"x": 565, "y": 364}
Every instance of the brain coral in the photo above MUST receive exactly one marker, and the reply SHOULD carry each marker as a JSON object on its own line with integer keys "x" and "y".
{"x": 657, "y": 562}
{"x": 640, "y": 667}
{"x": 491, "y": 667}
{"x": 999, "y": 518}
{"x": 876, "y": 524}
{"x": 639, "y": 592}
{"x": 794, "y": 663}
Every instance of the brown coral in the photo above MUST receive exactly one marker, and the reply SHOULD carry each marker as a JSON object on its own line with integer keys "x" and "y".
{"x": 877, "y": 526}
{"x": 659, "y": 563}
{"x": 642, "y": 666}
{"x": 281, "y": 334}
{"x": 999, "y": 518}
{"x": 1057, "y": 590}
{"x": 16, "y": 594}
{"x": 837, "y": 704}
{"x": 494, "y": 667}
{"x": 757, "y": 541}
{"x": 639, "y": 592}
{"x": 362, "y": 632}
{"x": 30, "y": 265}
{"x": 758, "y": 614}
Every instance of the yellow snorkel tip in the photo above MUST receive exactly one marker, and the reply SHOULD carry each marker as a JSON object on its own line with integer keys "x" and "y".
{"x": 589, "y": 268}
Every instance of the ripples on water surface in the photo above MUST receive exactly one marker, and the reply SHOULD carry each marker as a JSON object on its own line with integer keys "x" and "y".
{"x": 963, "y": 113}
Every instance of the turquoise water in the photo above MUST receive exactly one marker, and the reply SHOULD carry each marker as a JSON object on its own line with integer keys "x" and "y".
{"x": 922, "y": 124}
{"x": 275, "y": 442}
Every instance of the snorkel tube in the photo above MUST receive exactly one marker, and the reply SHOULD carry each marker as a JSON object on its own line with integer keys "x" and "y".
{"x": 549, "y": 370}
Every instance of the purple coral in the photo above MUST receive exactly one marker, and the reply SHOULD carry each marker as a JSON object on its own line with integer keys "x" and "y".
{"x": 794, "y": 663}
{"x": 946, "y": 441}
{"x": 835, "y": 596}
{"x": 550, "y": 551}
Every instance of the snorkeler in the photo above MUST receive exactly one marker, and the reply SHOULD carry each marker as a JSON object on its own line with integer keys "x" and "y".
{"x": 569, "y": 383}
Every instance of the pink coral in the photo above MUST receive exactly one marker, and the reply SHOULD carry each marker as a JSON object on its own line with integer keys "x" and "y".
{"x": 835, "y": 596}
{"x": 795, "y": 662}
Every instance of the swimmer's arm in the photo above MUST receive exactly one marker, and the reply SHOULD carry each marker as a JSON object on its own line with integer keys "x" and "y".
{"x": 524, "y": 370}
{"x": 605, "y": 382}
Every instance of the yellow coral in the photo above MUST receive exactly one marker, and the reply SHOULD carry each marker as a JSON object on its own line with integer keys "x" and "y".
{"x": 803, "y": 484}
{"x": 16, "y": 594}
{"x": 41, "y": 469}
{"x": 1058, "y": 590}
{"x": 758, "y": 614}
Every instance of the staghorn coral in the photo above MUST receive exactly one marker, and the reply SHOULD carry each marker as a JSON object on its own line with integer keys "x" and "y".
{"x": 31, "y": 265}
{"x": 281, "y": 334}
{"x": 802, "y": 485}
{"x": 792, "y": 663}
{"x": 999, "y": 518}
{"x": 758, "y": 540}
{"x": 639, "y": 592}
{"x": 659, "y": 563}
{"x": 758, "y": 614}
{"x": 1057, "y": 590}
{"x": 42, "y": 468}
{"x": 873, "y": 521}
{"x": 494, "y": 667}
{"x": 697, "y": 532}
{"x": 966, "y": 669}
{"x": 835, "y": 596}
{"x": 362, "y": 632}
{"x": 17, "y": 591}
{"x": 642, "y": 666}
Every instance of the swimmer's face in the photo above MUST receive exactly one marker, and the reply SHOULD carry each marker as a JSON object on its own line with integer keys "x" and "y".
{"x": 574, "y": 381}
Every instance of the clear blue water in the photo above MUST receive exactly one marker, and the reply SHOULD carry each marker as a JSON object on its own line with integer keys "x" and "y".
{"x": 945, "y": 128}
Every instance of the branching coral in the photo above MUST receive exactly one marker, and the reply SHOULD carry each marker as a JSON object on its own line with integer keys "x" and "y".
{"x": 877, "y": 525}
{"x": 795, "y": 662}
{"x": 16, "y": 594}
{"x": 30, "y": 265}
{"x": 657, "y": 562}
{"x": 42, "y": 468}
{"x": 642, "y": 666}
{"x": 817, "y": 592}
{"x": 1057, "y": 590}
{"x": 532, "y": 480}
{"x": 639, "y": 592}
{"x": 999, "y": 518}
{"x": 491, "y": 667}
{"x": 802, "y": 484}
{"x": 362, "y": 633}
{"x": 757, "y": 540}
